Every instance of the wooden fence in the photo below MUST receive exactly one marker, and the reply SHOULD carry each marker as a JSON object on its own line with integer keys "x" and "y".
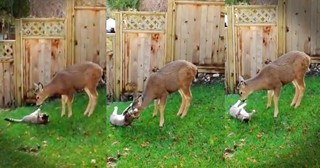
{"x": 190, "y": 30}
{"x": 43, "y": 46}
{"x": 303, "y": 25}
{"x": 7, "y": 77}
{"x": 200, "y": 34}
{"x": 140, "y": 46}
{"x": 255, "y": 37}
{"x": 90, "y": 34}
{"x": 41, "y": 54}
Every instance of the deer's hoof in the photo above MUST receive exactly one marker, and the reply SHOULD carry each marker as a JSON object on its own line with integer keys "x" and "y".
{"x": 69, "y": 115}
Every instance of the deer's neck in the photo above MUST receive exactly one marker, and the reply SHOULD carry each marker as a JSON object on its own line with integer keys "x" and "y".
{"x": 257, "y": 83}
{"x": 147, "y": 99}
{"x": 50, "y": 89}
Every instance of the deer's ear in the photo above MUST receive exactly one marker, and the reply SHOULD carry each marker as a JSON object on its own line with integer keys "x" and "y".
{"x": 241, "y": 81}
{"x": 40, "y": 86}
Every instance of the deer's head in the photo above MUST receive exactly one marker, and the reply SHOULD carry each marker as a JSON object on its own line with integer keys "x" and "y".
{"x": 40, "y": 95}
{"x": 244, "y": 90}
{"x": 133, "y": 110}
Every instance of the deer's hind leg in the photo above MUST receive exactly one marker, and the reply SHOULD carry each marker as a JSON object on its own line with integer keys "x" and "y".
{"x": 301, "y": 85}
{"x": 183, "y": 103}
{"x": 187, "y": 96}
{"x": 296, "y": 94}
{"x": 86, "y": 112}
{"x": 94, "y": 96}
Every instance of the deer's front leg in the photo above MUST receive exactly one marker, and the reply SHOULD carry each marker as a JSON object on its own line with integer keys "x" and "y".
{"x": 275, "y": 101}
{"x": 156, "y": 107}
{"x": 70, "y": 100}
{"x": 270, "y": 94}
{"x": 64, "y": 100}
{"x": 163, "y": 101}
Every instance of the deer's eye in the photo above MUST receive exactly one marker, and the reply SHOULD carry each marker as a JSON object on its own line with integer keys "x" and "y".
{"x": 240, "y": 93}
{"x": 37, "y": 98}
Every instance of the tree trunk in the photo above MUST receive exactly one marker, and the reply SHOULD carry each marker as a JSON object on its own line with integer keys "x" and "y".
{"x": 263, "y": 2}
{"x": 153, "y": 5}
{"x": 48, "y": 8}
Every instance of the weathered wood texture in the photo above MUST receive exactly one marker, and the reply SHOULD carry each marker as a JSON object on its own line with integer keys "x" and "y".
{"x": 138, "y": 46}
{"x": 45, "y": 46}
{"x": 303, "y": 27}
{"x": 7, "y": 78}
{"x": 90, "y": 35}
{"x": 42, "y": 58}
{"x": 110, "y": 71}
{"x": 42, "y": 52}
{"x": 253, "y": 40}
{"x": 200, "y": 34}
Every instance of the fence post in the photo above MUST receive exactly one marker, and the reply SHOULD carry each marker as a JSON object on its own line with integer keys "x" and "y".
{"x": 18, "y": 75}
{"x": 118, "y": 58}
{"x": 170, "y": 32}
{"x": 282, "y": 27}
{"x": 69, "y": 48}
{"x": 230, "y": 59}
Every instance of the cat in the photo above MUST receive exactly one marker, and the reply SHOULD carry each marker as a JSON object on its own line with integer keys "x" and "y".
{"x": 239, "y": 112}
{"x": 34, "y": 118}
{"x": 121, "y": 119}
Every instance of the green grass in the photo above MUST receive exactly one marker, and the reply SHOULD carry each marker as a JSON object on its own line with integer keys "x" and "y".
{"x": 198, "y": 140}
{"x": 64, "y": 142}
{"x": 291, "y": 141}
{"x": 194, "y": 141}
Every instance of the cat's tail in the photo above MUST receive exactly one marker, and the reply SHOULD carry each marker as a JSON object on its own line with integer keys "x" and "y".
{"x": 13, "y": 120}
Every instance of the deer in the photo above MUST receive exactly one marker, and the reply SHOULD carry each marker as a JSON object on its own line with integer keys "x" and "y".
{"x": 82, "y": 76}
{"x": 291, "y": 67}
{"x": 174, "y": 76}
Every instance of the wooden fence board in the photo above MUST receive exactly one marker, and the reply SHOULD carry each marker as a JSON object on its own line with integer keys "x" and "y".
{"x": 1, "y": 84}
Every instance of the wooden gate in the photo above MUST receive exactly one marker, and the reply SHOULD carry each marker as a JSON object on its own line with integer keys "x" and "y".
{"x": 141, "y": 47}
{"x": 199, "y": 33}
{"x": 253, "y": 40}
{"x": 42, "y": 52}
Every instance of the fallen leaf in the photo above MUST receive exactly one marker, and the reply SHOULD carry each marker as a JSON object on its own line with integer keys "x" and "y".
{"x": 259, "y": 135}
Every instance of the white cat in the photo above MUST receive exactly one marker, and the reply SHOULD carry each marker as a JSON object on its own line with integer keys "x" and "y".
{"x": 116, "y": 119}
{"x": 239, "y": 112}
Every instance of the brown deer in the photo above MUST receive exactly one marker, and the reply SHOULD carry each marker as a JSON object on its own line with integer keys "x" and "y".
{"x": 290, "y": 67}
{"x": 174, "y": 76}
{"x": 77, "y": 77}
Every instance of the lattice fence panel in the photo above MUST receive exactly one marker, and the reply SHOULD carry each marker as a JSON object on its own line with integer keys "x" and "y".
{"x": 255, "y": 15}
{"x": 6, "y": 50}
{"x": 43, "y": 28}
{"x": 146, "y": 22}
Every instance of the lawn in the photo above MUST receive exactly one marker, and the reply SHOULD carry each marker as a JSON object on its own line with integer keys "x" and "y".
{"x": 198, "y": 140}
{"x": 64, "y": 142}
{"x": 291, "y": 141}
